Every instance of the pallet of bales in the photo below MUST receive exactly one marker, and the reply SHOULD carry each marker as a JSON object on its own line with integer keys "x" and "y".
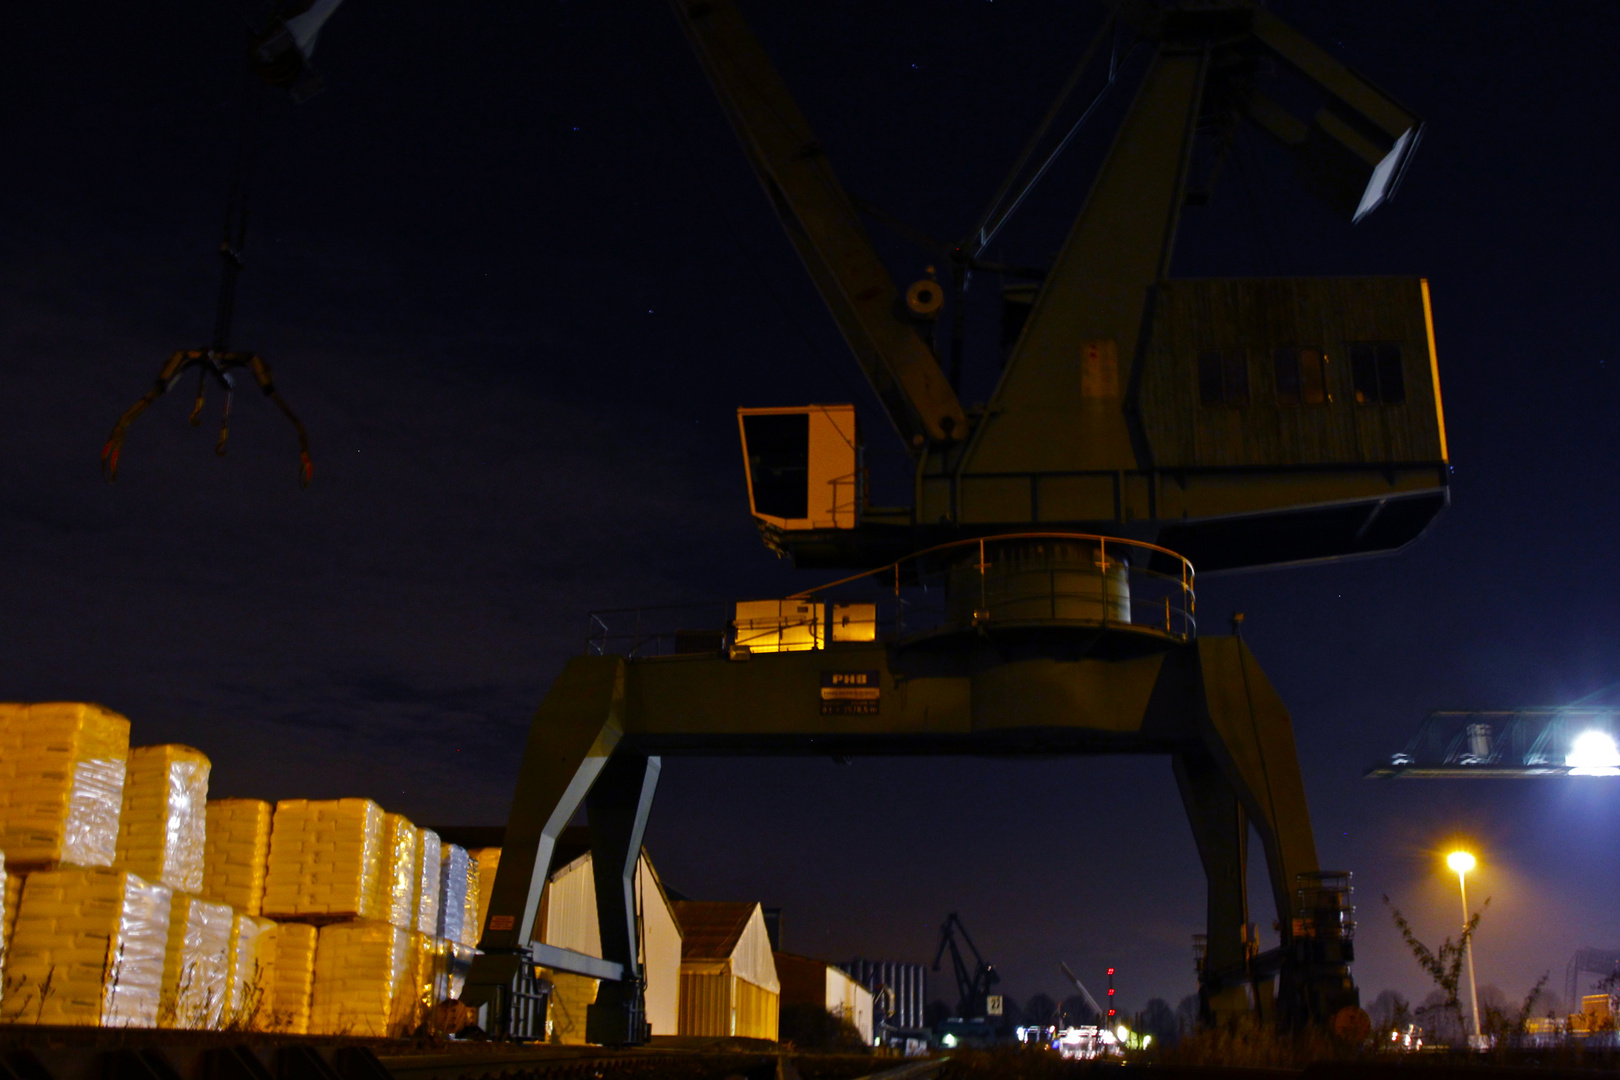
{"x": 88, "y": 947}
{"x": 196, "y": 964}
{"x": 236, "y": 852}
{"x": 61, "y": 787}
{"x": 163, "y": 818}
{"x": 61, "y": 783}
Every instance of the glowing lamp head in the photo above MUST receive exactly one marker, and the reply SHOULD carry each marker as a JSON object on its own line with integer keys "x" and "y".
{"x": 1594, "y": 754}
{"x": 1460, "y": 861}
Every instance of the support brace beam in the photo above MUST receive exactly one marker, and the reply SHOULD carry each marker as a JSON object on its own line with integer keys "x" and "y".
{"x": 618, "y": 806}
{"x": 573, "y": 734}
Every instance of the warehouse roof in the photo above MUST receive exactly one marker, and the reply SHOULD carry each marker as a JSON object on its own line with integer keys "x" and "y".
{"x": 710, "y": 930}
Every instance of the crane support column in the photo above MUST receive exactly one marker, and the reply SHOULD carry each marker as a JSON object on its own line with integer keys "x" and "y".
{"x": 573, "y": 734}
{"x": 1221, "y": 831}
{"x": 618, "y": 807}
{"x": 1249, "y": 735}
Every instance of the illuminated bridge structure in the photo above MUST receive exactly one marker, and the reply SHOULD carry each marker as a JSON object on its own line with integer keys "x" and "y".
{"x": 1508, "y": 744}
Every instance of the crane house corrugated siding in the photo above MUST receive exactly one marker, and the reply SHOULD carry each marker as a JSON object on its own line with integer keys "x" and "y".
{"x": 1303, "y": 362}
{"x": 728, "y": 976}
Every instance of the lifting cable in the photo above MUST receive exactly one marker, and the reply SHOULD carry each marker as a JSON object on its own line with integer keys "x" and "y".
{"x": 218, "y": 362}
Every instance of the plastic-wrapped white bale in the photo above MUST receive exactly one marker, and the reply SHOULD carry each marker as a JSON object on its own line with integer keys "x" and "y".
{"x": 61, "y": 783}
{"x": 489, "y": 861}
{"x": 397, "y": 880}
{"x": 97, "y": 939}
{"x": 455, "y": 870}
{"x": 6, "y": 916}
{"x": 428, "y": 852}
{"x": 194, "y": 964}
{"x": 248, "y": 977}
{"x": 13, "y": 894}
{"x": 470, "y": 904}
{"x": 162, "y": 823}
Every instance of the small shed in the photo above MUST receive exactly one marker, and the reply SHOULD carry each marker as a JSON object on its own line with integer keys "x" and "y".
{"x": 728, "y": 975}
{"x": 808, "y": 981}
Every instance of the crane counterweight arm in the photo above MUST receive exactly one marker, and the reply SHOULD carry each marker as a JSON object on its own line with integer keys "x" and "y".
{"x": 821, "y": 221}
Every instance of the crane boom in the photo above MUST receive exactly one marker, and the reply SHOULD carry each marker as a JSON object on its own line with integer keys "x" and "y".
{"x": 821, "y": 221}
{"x": 1091, "y": 1002}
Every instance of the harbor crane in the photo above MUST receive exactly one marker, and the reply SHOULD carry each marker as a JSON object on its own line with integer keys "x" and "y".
{"x": 972, "y": 987}
{"x": 1036, "y": 596}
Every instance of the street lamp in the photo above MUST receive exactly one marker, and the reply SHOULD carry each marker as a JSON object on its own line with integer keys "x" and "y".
{"x": 1462, "y": 862}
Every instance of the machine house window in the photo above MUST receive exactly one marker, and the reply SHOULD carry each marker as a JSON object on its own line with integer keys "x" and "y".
{"x": 1223, "y": 377}
{"x": 1301, "y": 376}
{"x": 1375, "y": 368}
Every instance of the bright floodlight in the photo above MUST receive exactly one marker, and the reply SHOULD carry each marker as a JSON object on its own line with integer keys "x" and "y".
{"x": 1460, "y": 861}
{"x": 1594, "y": 754}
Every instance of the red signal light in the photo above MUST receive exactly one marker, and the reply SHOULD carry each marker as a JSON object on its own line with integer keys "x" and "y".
{"x": 1110, "y": 971}
{"x": 1110, "y": 991}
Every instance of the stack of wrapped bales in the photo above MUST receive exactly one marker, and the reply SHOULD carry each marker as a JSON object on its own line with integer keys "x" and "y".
{"x": 292, "y": 979}
{"x": 84, "y": 944}
{"x": 249, "y": 956}
{"x": 397, "y": 882}
{"x": 324, "y": 860}
{"x": 61, "y": 783}
{"x": 162, "y": 837}
{"x": 371, "y": 883}
{"x": 161, "y": 826}
{"x": 129, "y": 899}
{"x": 489, "y": 860}
{"x": 237, "y": 849}
{"x": 362, "y": 976}
{"x": 195, "y": 968}
{"x": 88, "y": 948}
{"x": 428, "y": 853}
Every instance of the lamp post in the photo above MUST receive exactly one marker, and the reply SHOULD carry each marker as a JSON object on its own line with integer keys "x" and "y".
{"x": 1462, "y": 862}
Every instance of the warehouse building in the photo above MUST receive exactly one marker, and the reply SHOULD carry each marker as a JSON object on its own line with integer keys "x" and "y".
{"x": 808, "y": 981}
{"x": 729, "y": 985}
{"x": 567, "y": 920}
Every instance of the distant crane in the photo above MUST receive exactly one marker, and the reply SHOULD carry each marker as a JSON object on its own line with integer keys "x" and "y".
{"x": 972, "y": 990}
{"x": 1091, "y": 1002}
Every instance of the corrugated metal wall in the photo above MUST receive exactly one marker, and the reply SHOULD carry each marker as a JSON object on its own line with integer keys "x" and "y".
{"x": 909, "y": 983}
{"x": 758, "y": 1011}
{"x": 570, "y": 909}
{"x": 752, "y": 959}
{"x": 705, "y": 999}
{"x": 568, "y": 920}
{"x": 1251, "y": 318}
{"x": 660, "y": 953}
{"x": 850, "y": 1000}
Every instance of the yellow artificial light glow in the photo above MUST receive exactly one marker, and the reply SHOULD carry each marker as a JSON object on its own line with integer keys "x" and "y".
{"x": 1460, "y": 861}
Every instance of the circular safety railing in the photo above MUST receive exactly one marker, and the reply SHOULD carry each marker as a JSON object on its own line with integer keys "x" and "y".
{"x": 1028, "y": 579}
{"x": 1014, "y": 581}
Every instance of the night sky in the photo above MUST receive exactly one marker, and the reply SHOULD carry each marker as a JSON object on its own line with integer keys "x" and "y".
{"x": 512, "y": 271}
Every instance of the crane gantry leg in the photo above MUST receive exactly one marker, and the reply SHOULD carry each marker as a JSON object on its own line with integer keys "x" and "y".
{"x": 617, "y": 808}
